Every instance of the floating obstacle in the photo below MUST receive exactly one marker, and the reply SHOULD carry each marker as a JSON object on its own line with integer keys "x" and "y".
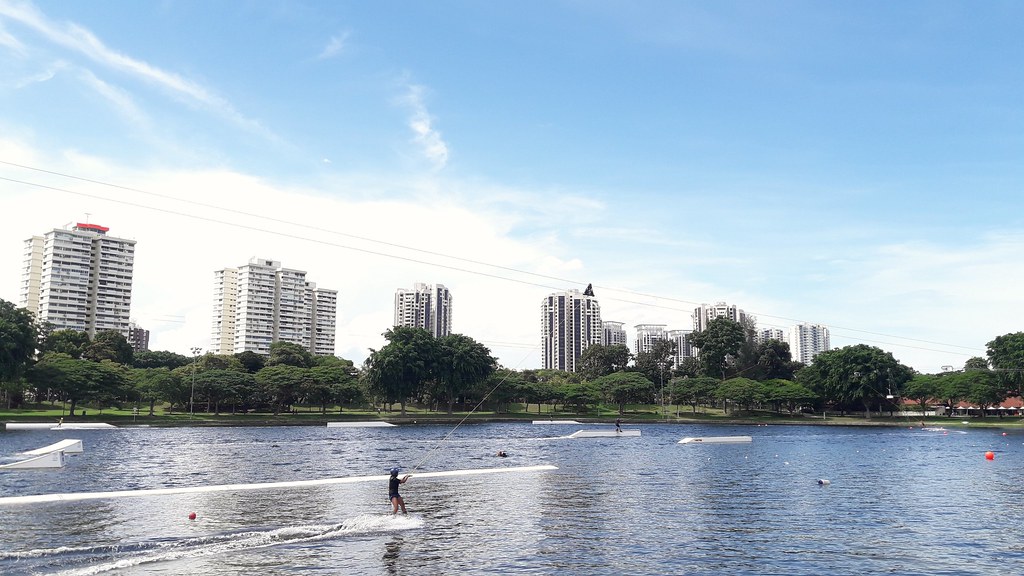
{"x": 604, "y": 434}
{"x": 46, "y": 461}
{"x": 65, "y": 446}
{"x": 76, "y": 496}
{"x": 555, "y": 422}
{"x": 62, "y": 426}
{"x": 717, "y": 440}
{"x": 365, "y": 424}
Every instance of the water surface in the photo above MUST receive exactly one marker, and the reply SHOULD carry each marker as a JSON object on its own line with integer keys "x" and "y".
{"x": 901, "y": 501}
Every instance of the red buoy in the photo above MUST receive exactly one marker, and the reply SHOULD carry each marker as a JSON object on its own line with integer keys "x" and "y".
{"x": 990, "y": 455}
{"x": 192, "y": 515}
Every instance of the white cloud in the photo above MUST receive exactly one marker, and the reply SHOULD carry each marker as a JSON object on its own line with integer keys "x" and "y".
{"x": 334, "y": 46}
{"x": 432, "y": 146}
{"x": 81, "y": 40}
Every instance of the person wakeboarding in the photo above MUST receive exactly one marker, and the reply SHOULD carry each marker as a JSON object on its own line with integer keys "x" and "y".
{"x": 618, "y": 424}
{"x": 393, "y": 495}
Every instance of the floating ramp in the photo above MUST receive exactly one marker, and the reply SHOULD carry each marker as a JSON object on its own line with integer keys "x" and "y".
{"x": 717, "y": 440}
{"x": 366, "y": 424}
{"x": 64, "y": 426}
{"x": 46, "y": 461}
{"x": 603, "y": 433}
{"x": 556, "y": 422}
{"x": 65, "y": 446}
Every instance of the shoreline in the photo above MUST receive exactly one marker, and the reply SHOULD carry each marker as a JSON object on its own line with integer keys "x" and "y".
{"x": 249, "y": 420}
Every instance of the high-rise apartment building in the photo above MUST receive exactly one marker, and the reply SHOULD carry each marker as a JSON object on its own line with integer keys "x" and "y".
{"x": 425, "y": 306}
{"x": 613, "y": 334}
{"x": 646, "y": 336}
{"x": 707, "y": 312}
{"x": 684, "y": 345}
{"x": 570, "y": 323}
{"x": 765, "y": 334}
{"x": 138, "y": 337}
{"x": 807, "y": 341}
{"x": 79, "y": 279}
{"x": 262, "y": 302}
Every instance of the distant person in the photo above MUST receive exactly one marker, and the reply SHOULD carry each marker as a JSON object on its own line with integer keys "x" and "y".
{"x": 393, "y": 495}
{"x": 501, "y": 454}
{"x": 618, "y": 424}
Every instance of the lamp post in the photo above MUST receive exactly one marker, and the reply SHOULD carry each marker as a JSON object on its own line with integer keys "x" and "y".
{"x": 196, "y": 350}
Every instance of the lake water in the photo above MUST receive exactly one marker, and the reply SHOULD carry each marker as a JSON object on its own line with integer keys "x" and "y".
{"x": 901, "y": 501}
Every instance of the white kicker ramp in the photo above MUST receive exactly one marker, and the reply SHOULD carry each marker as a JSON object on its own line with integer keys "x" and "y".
{"x": 49, "y": 460}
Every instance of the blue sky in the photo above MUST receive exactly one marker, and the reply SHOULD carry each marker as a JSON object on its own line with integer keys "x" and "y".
{"x": 851, "y": 164}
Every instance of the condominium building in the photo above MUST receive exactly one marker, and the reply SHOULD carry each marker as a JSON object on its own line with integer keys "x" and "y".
{"x": 79, "y": 279}
{"x": 262, "y": 302}
{"x": 646, "y": 336}
{"x": 708, "y": 312}
{"x": 765, "y": 334}
{"x": 425, "y": 306}
{"x": 613, "y": 334}
{"x": 570, "y": 323}
{"x": 138, "y": 337}
{"x": 807, "y": 341}
{"x": 684, "y": 345}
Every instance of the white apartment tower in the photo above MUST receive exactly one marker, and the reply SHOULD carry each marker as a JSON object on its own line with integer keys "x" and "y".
{"x": 425, "y": 306}
{"x": 646, "y": 336}
{"x": 613, "y": 334}
{"x": 684, "y": 345}
{"x": 765, "y": 334}
{"x": 807, "y": 341}
{"x": 570, "y": 323}
{"x": 707, "y": 312}
{"x": 262, "y": 302}
{"x": 79, "y": 279}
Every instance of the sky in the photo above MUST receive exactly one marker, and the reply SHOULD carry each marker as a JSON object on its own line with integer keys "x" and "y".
{"x": 852, "y": 164}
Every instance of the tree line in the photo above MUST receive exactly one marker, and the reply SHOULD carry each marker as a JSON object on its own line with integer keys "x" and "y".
{"x": 731, "y": 371}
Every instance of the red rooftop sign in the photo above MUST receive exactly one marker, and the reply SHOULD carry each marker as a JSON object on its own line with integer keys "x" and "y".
{"x": 95, "y": 227}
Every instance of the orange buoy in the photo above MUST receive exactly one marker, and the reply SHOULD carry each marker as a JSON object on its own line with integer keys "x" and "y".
{"x": 191, "y": 515}
{"x": 990, "y": 455}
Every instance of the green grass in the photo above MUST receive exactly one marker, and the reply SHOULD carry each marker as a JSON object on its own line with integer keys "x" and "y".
{"x": 311, "y": 415}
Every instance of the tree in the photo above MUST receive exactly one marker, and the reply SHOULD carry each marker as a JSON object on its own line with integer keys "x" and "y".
{"x": 600, "y": 360}
{"x": 80, "y": 380}
{"x": 626, "y": 387}
{"x": 855, "y": 376}
{"x": 1006, "y": 355}
{"x": 253, "y": 362}
{"x": 922, "y": 388}
{"x": 693, "y": 391}
{"x": 280, "y": 384}
{"x": 154, "y": 385}
{"x": 65, "y": 341}
{"x": 460, "y": 363}
{"x": 580, "y": 395}
{"x": 289, "y": 354}
{"x": 984, "y": 388}
{"x": 774, "y": 360}
{"x": 17, "y": 346}
{"x": 656, "y": 364}
{"x": 786, "y": 393}
{"x": 398, "y": 370}
{"x": 742, "y": 391}
{"x": 339, "y": 378}
{"x": 159, "y": 359}
{"x": 109, "y": 345}
{"x": 721, "y": 339}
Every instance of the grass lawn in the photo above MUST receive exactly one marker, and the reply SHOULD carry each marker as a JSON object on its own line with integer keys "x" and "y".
{"x": 640, "y": 413}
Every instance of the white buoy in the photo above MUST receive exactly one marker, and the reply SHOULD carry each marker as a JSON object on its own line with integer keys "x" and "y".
{"x": 824, "y": 482}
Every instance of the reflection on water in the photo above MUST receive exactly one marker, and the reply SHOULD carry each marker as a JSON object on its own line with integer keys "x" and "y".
{"x": 900, "y": 501}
